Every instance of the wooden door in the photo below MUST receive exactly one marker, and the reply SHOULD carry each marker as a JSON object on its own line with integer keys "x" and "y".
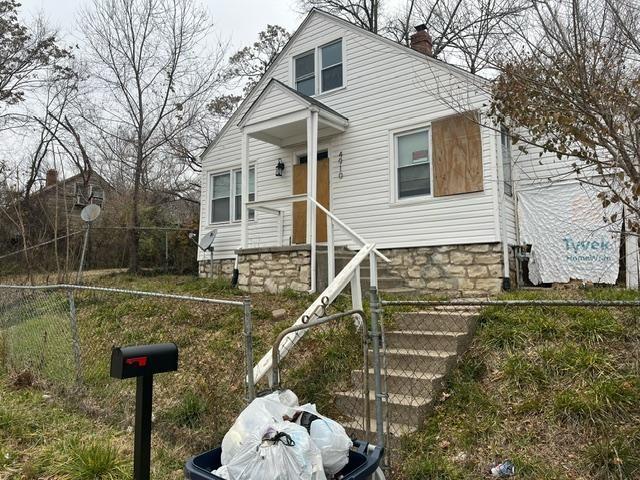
{"x": 300, "y": 208}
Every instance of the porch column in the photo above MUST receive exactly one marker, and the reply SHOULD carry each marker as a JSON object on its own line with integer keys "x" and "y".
{"x": 244, "y": 232}
{"x": 312, "y": 187}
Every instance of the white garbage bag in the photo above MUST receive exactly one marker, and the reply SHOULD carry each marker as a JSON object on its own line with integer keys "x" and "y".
{"x": 331, "y": 439}
{"x": 259, "y": 414}
{"x": 282, "y": 451}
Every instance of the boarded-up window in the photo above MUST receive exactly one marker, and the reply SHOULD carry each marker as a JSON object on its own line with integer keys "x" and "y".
{"x": 457, "y": 155}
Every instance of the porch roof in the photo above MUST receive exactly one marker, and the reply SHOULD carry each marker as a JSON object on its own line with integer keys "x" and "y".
{"x": 279, "y": 116}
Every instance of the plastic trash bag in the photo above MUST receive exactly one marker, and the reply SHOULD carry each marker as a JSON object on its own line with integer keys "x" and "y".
{"x": 329, "y": 436}
{"x": 258, "y": 415}
{"x": 284, "y": 451}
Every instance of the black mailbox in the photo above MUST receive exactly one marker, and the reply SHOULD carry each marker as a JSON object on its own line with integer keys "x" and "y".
{"x": 141, "y": 360}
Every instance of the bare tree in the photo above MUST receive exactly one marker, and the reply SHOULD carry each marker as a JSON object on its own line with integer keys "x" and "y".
{"x": 468, "y": 33}
{"x": 574, "y": 89}
{"x": 148, "y": 60}
{"x": 363, "y": 13}
{"x": 28, "y": 56}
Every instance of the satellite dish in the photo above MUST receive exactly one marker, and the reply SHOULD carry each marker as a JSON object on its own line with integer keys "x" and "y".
{"x": 90, "y": 213}
{"x": 206, "y": 242}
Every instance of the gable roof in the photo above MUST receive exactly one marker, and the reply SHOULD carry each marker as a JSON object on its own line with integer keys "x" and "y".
{"x": 305, "y": 100}
{"x": 316, "y": 11}
{"x": 64, "y": 181}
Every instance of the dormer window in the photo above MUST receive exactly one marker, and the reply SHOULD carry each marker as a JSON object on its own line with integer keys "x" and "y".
{"x": 328, "y": 61}
{"x": 305, "y": 74}
{"x": 331, "y": 76}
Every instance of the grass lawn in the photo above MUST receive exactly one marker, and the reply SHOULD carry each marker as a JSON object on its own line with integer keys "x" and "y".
{"x": 556, "y": 390}
{"x": 193, "y": 407}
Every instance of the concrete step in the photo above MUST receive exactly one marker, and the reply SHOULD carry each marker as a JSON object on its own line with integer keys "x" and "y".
{"x": 435, "y": 320}
{"x": 355, "y": 429}
{"x": 426, "y": 361}
{"x": 417, "y": 384}
{"x": 426, "y": 340}
{"x": 402, "y": 409}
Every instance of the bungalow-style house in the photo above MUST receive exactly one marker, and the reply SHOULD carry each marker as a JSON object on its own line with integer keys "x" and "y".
{"x": 392, "y": 142}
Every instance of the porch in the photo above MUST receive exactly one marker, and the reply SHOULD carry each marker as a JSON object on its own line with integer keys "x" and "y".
{"x": 285, "y": 118}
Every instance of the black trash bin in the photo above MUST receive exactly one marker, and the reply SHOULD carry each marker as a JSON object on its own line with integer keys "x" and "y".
{"x": 363, "y": 462}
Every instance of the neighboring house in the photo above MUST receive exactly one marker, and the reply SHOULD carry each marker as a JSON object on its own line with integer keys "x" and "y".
{"x": 403, "y": 158}
{"x": 70, "y": 195}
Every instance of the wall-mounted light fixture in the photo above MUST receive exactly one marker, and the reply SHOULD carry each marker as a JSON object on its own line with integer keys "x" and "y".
{"x": 279, "y": 168}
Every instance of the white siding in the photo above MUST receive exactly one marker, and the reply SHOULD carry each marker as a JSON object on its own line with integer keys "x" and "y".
{"x": 386, "y": 89}
{"x": 274, "y": 103}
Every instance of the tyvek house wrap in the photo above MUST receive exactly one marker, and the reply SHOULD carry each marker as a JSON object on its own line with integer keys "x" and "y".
{"x": 568, "y": 236}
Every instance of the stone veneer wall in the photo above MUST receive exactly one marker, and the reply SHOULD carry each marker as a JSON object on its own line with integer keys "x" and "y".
{"x": 221, "y": 268}
{"x": 451, "y": 270}
{"x": 275, "y": 269}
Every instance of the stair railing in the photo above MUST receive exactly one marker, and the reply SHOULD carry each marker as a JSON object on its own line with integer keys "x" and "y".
{"x": 349, "y": 275}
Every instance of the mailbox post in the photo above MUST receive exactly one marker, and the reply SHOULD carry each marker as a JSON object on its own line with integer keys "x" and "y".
{"x": 143, "y": 362}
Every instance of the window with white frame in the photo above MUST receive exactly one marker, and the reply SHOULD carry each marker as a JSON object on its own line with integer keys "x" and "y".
{"x": 413, "y": 163}
{"x": 227, "y": 186}
{"x": 238, "y": 194}
{"x": 221, "y": 197}
{"x": 327, "y": 60}
{"x": 505, "y": 144}
{"x": 305, "y": 73}
{"x": 331, "y": 66}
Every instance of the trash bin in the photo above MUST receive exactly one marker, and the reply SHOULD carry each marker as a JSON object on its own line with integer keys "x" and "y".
{"x": 364, "y": 460}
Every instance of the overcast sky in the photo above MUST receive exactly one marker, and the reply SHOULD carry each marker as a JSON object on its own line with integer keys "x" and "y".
{"x": 237, "y": 21}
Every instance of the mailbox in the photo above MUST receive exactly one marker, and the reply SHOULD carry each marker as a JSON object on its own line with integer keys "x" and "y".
{"x": 141, "y": 360}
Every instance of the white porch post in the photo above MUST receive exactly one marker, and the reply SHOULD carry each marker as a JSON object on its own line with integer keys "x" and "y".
{"x": 244, "y": 235}
{"x": 312, "y": 183}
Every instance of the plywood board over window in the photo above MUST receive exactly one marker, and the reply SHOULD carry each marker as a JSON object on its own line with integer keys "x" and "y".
{"x": 457, "y": 155}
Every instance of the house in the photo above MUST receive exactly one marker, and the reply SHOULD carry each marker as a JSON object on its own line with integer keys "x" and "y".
{"x": 69, "y": 196}
{"x": 392, "y": 142}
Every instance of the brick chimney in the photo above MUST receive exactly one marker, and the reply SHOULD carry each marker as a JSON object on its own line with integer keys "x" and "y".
{"x": 421, "y": 41}
{"x": 52, "y": 177}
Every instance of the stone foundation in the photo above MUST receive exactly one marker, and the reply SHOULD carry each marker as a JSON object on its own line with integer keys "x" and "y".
{"x": 221, "y": 268}
{"x": 275, "y": 269}
{"x": 452, "y": 270}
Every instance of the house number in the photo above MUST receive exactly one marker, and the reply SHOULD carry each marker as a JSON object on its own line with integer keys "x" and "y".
{"x": 340, "y": 174}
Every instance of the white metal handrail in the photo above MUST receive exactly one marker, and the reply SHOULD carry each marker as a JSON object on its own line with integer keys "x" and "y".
{"x": 350, "y": 274}
{"x": 348, "y": 230}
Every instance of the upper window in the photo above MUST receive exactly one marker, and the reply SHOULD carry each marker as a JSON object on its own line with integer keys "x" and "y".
{"x": 305, "y": 73}
{"x": 97, "y": 195}
{"x": 413, "y": 157}
{"x": 505, "y": 144}
{"x": 331, "y": 76}
{"x": 226, "y": 186}
{"x": 328, "y": 62}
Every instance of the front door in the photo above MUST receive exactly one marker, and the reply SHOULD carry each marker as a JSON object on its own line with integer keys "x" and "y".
{"x": 322, "y": 196}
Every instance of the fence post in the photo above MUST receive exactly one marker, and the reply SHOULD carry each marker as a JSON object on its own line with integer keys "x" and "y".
{"x": 75, "y": 338}
{"x": 248, "y": 348}
{"x": 375, "y": 337}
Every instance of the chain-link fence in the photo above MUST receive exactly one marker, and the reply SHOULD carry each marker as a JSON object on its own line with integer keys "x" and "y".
{"x": 60, "y": 338}
{"x": 330, "y": 367}
{"x": 437, "y": 352}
